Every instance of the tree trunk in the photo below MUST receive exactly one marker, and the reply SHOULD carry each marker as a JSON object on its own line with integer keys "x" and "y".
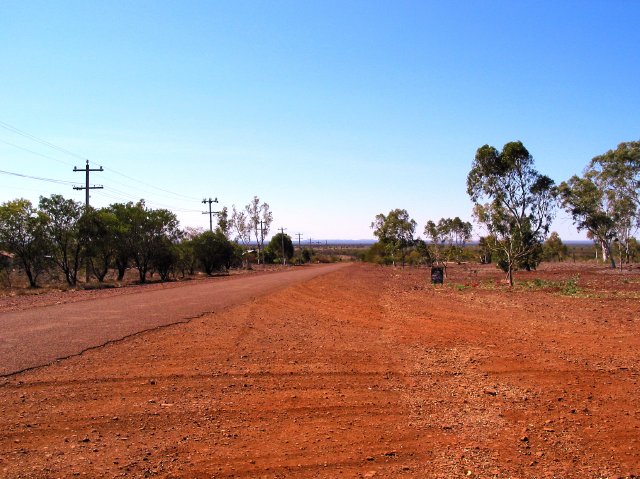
{"x": 32, "y": 280}
{"x": 607, "y": 255}
{"x": 101, "y": 272}
{"x": 121, "y": 267}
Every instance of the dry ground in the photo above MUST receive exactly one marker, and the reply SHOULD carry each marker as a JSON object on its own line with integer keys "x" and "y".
{"x": 365, "y": 372}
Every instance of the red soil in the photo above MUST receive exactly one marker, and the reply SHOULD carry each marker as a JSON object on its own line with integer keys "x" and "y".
{"x": 367, "y": 371}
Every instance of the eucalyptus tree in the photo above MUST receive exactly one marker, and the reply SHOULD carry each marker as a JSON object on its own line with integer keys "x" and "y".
{"x": 187, "y": 260}
{"x": 450, "y": 232}
{"x": 224, "y": 222}
{"x": 145, "y": 233}
{"x": 213, "y": 251}
{"x": 554, "y": 248}
{"x": 22, "y": 234}
{"x": 395, "y": 232}
{"x": 280, "y": 248}
{"x": 604, "y": 200}
{"x": 62, "y": 230}
{"x": 123, "y": 241}
{"x": 99, "y": 228}
{"x": 241, "y": 226}
{"x": 520, "y": 202}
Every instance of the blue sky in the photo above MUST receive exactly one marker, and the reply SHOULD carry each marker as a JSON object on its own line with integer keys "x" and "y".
{"x": 330, "y": 111}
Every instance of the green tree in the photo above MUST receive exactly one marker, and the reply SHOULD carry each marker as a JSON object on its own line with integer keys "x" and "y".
{"x": 521, "y": 201}
{"x": 554, "y": 248}
{"x": 123, "y": 240}
{"x": 305, "y": 255}
{"x": 187, "y": 260}
{"x": 435, "y": 234}
{"x": 486, "y": 246}
{"x": 634, "y": 250}
{"x": 422, "y": 248}
{"x": 279, "y": 244}
{"x": 224, "y": 222}
{"x": 448, "y": 238}
{"x": 604, "y": 201}
{"x": 146, "y": 234}
{"x": 22, "y": 234}
{"x": 62, "y": 230}
{"x": 377, "y": 253}
{"x": 395, "y": 232}
{"x": 165, "y": 258}
{"x": 98, "y": 228}
{"x": 585, "y": 203}
{"x": 6, "y": 265}
{"x": 213, "y": 251}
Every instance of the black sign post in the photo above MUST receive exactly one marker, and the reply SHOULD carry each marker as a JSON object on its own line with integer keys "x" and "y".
{"x": 437, "y": 275}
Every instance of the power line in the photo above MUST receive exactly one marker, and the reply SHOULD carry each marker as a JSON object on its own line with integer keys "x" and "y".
{"x": 180, "y": 195}
{"x": 13, "y": 129}
{"x": 25, "y": 134}
{"x": 39, "y": 178}
{"x": 124, "y": 196}
{"x": 35, "y": 152}
{"x": 119, "y": 195}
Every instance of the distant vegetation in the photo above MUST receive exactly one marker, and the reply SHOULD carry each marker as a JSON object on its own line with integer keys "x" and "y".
{"x": 515, "y": 205}
{"x": 62, "y": 240}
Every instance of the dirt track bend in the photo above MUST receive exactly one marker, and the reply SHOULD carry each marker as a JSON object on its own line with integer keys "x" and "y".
{"x": 38, "y": 336}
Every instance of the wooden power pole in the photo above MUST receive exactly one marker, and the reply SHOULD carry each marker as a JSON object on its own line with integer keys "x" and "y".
{"x": 86, "y": 187}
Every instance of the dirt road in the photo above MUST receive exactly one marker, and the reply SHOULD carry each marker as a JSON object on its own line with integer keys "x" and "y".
{"x": 364, "y": 372}
{"x": 38, "y": 336}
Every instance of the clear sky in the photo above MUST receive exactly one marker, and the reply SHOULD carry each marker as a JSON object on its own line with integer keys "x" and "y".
{"x": 330, "y": 111}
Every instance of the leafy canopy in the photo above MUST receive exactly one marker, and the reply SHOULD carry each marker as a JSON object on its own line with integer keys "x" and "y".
{"x": 514, "y": 202}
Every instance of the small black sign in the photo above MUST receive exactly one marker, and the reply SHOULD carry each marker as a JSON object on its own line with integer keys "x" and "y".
{"x": 437, "y": 275}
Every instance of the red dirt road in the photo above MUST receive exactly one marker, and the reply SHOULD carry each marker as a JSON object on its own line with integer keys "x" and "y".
{"x": 38, "y": 336}
{"x": 364, "y": 372}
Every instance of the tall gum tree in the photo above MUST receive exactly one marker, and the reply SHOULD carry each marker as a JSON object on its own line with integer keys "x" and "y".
{"x": 62, "y": 230}
{"x": 604, "y": 200}
{"x": 513, "y": 201}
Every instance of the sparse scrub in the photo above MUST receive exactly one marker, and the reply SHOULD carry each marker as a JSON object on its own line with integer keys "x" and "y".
{"x": 567, "y": 287}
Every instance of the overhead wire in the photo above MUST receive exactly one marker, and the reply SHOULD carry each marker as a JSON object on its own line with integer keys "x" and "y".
{"x": 40, "y": 178}
{"x": 35, "y": 152}
{"x": 25, "y": 134}
{"x": 130, "y": 197}
{"x": 180, "y": 195}
{"x": 120, "y": 195}
{"x": 12, "y": 128}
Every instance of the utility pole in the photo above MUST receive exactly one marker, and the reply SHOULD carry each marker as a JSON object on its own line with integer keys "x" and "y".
{"x": 86, "y": 187}
{"x": 210, "y": 213}
{"x": 284, "y": 260}
{"x": 299, "y": 235}
{"x": 86, "y": 169}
